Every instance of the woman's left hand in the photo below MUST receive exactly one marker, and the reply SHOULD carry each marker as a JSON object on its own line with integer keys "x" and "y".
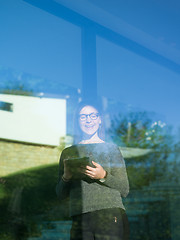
{"x": 95, "y": 173}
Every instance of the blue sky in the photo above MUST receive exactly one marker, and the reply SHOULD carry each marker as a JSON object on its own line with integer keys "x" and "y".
{"x": 35, "y": 42}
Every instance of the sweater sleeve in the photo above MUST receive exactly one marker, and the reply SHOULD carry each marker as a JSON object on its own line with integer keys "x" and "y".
{"x": 117, "y": 175}
{"x": 62, "y": 187}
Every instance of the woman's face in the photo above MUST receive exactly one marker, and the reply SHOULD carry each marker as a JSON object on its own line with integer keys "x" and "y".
{"x": 89, "y": 120}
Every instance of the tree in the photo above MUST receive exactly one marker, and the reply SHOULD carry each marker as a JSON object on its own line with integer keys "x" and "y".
{"x": 140, "y": 130}
{"x": 154, "y": 178}
{"x": 18, "y": 90}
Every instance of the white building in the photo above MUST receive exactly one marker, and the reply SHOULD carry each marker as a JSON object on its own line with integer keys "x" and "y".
{"x": 33, "y": 119}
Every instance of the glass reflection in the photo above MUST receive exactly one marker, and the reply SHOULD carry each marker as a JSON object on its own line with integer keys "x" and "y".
{"x": 56, "y": 53}
{"x": 92, "y": 174}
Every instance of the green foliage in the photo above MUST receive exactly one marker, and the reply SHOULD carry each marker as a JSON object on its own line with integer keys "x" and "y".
{"x": 18, "y": 90}
{"x": 28, "y": 197}
{"x": 153, "y": 177}
{"x": 138, "y": 129}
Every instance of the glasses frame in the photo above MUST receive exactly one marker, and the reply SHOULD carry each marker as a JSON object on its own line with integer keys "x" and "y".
{"x": 90, "y": 115}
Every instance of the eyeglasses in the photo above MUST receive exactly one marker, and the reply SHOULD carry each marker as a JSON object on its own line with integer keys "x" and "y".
{"x": 93, "y": 116}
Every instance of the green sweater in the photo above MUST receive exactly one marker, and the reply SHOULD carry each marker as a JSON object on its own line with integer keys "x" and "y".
{"x": 86, "y": 194}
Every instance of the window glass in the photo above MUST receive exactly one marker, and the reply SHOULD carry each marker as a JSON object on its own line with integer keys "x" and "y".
{"x": 122, "y": 60}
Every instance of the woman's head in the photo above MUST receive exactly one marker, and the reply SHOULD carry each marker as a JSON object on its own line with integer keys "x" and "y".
{"x": 88, "y": 121}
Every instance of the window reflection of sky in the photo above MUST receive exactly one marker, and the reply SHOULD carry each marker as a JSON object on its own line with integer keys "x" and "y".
{"x": 137, "y": 81}
{"x": 38, "y": 43}
{"x": 136, "y": 57}
{"x": 47, "y": 46}
{"x": 160, "y": 19}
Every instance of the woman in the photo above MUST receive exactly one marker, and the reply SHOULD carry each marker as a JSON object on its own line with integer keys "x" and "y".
{"x": 95, "y": 190}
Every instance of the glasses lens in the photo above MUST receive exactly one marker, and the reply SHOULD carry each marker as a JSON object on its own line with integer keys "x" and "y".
{"x": 94, "y": 116}
{"x": 82, "y": 117}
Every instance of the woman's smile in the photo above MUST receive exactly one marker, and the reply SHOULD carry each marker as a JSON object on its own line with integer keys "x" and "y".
{"x": 89, "y": 120}
{"x": 89, "y": 126}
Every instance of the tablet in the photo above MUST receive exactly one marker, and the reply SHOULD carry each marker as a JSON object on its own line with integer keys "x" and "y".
{"x": 78, "y": 162}
{"x": 75, "y": 163}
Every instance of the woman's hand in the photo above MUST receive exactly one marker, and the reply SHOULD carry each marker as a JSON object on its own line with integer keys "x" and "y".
{"x": 67, "y": 173}
{"x": 95, "y": 173}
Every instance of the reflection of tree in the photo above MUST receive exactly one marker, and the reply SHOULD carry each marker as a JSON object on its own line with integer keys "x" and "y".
{"x": 153, "y": 177}
{"x": 18, "y": 90}
{"x": 138, "y": 130}
{"x": 21, "y": 83}
{"x": 15, "y": 82}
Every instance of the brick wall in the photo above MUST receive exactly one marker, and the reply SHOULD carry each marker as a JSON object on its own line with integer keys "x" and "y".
{"x": 16, "y": 156}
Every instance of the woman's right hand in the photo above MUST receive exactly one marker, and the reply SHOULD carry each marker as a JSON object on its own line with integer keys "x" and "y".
{"x": 67, "y": 173}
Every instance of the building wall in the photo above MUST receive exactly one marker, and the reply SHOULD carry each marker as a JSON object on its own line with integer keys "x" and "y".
{"x": 16, "y": 156}
{"x": 33, "y": 119}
